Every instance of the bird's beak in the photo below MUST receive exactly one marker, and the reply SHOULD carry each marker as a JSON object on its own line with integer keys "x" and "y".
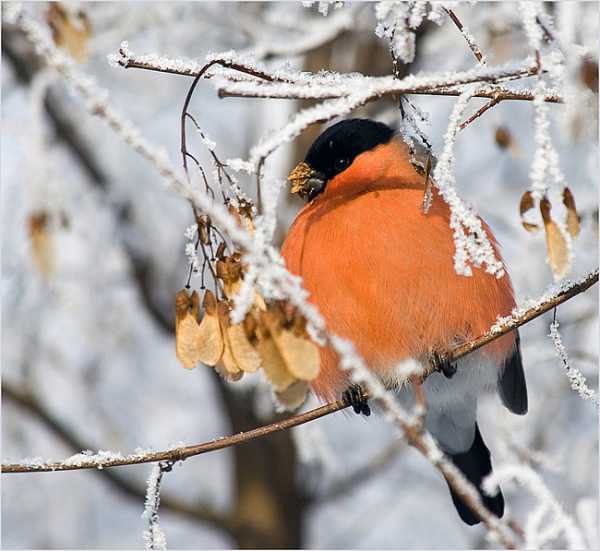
{"x": 306, "y": 182}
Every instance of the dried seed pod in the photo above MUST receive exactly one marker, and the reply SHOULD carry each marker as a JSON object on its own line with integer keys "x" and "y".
{"x": 503, "y": 137}
{"x": 221, "y": 251}
{"x": 301, "y": 355}
{"x": 228, "y": 360}
{"x": 239, "y": 355}
{"x": 203, "y": 234}
{"x": 573, "y": 219}
{"x": 229, "y": 271}
{"x": 294, "y": 396}
{"x": 558, "y": 247}
{"x": 187, "y": 329}
{"x": 211, "y": 345}
{"x": 245, "y": 356}
{"x": 70, "y": 30}
{"x": 228, "y": 376}
{"x": 526, "y": 204}
{"x": 250, "y": 326}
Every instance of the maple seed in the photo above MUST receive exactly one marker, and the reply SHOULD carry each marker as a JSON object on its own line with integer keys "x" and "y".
{"x": 274, "y": 365}
{"x": 556, "y": 242}
{"x": 294, "y": 396}
{"x": 187, "y": 329}
{"x": 573, "y": 219}
{"x": 229, "y": 270}
{"x": 300, "y": 355}
{"x": 69, "y": 31}
{"x": 220, "y": 250}
{"x": 526, "y": 204}
{"x": 210, "y": 337}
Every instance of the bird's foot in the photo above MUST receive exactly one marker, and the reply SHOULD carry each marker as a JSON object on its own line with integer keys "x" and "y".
{"x": 355, "y": 397}
{"x": 442, "y": 364}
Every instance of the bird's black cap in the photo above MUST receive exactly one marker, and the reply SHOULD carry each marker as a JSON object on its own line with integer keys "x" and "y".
{"x": 335, "y": 149}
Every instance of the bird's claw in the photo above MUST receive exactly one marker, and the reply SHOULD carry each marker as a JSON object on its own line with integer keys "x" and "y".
{"x": 355, "y": 397}
{"x": 442, "y": 364}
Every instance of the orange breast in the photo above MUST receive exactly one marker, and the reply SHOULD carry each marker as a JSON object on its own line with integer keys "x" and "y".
{"x": 382, "y": 274}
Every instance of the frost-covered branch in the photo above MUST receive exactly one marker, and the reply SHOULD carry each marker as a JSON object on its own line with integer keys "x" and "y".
{"x": 154, "y": 537}
{"x": 502, "y": 93}
{"x": 412, "y": 429}
{"x": 470, "y": 40}
{"x": 576, "y": 378}
{"x": 559, "y": 523}
{"x": 531, "y": 310}
{"x": 472, "y": 245}
{"x": 197, "y": 512}
{"x": 302, "y": 85}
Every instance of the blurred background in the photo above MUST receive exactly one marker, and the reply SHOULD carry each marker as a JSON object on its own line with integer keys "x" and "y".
{"x": 93, "y": 254}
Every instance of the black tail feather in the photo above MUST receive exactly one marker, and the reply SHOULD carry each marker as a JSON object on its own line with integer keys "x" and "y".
{"x": 475, "y": 464}
{"x": 511, "y": 383}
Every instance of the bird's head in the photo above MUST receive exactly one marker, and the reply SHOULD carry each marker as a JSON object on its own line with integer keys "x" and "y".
{"x": 352, "y": 154}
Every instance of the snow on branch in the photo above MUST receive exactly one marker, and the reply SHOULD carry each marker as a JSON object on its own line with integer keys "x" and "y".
{"x": 272, "y": 278}
{"x": 154, "y": 537}
{"x": 469, "y": 38}
{"x": 536, "y": 534}
{"x": 412, "y": 429}
{"x": 97, "y": 103}
{"x": 576, "y": 378}
{"x": 303, "y": 85}
{"x": 472, "y": 245}
{"x": 520, "y": 316}
{"x": 331, "y": 85}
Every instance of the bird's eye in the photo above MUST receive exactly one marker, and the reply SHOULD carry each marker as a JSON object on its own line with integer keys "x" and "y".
{"x": 341, "y": 163}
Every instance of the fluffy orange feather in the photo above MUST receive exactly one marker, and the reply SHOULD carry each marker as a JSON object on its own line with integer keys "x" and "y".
{"x": 381, "y": 271}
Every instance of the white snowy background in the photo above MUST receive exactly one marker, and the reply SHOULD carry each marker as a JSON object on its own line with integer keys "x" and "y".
{"x": 84, "y": 344}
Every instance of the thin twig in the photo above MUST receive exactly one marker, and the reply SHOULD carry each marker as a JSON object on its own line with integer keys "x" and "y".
{"x": 567, "y": 292}
{"x": 178, "y": 454}
{"x": 468, "y": 38}
{"x": 198, "y": 511}
{"x": 502, "y": 93}
{"x": 494, "y": 101}
{"x": 132, "y": 61}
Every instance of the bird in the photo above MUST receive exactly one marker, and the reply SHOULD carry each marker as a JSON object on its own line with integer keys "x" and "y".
{"x": 381, "y": 272}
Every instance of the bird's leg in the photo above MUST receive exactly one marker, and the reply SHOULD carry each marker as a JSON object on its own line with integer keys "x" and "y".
{"x": 441, "y": 363}
{"x": 355, "y": 397}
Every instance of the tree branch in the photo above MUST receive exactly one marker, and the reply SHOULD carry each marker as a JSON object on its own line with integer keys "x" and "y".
{"x": 101, "y": 461}
{"x": 468, "y": 38}
{"x": 124, "y": 485}
{"x": 321, "y": 87}
{"x": 494, "y": 101}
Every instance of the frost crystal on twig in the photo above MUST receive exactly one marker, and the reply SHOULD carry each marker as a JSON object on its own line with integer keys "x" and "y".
{"x": 471, "y": 241}
{"x": 154, "y": 537}
{"x": 397, "y": 22}
{"x": 576, "y": 378}
{"x": 559, "y": 523}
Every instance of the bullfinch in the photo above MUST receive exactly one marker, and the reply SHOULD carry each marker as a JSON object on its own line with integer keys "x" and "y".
{"x": 381, "y": 272}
